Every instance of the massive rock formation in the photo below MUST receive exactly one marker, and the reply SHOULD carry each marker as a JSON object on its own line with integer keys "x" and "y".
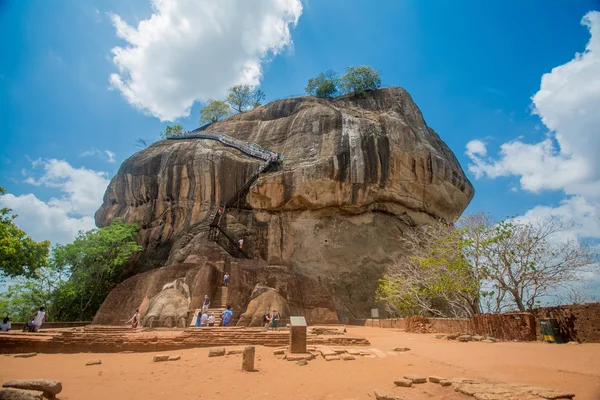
{"x": 358, "y": 173}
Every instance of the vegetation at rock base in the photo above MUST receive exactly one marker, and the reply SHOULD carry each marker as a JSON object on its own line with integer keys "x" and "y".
{"x": 78, "y": 278}
{"x": 360, "y": 79}
{"x": 19, "y": 253}
{"x": 171, "y": 130}
{"x": 242, "y": 97}
{"x": 213, "y": 111}
{"x": 324, "y": 85}
{"x": 485, "y": 265}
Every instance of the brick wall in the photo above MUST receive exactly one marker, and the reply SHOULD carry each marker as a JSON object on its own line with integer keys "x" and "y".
{"x": 578, "y": 322}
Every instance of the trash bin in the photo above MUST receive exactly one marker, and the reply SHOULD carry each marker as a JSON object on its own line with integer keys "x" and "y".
{"x": 550, "y": 331}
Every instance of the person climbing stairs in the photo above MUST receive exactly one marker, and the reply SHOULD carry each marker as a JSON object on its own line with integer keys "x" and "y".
{"x": 219, "y": 303}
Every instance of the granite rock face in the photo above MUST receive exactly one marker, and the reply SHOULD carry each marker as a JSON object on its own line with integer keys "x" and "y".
{"x": 358, "y": 173}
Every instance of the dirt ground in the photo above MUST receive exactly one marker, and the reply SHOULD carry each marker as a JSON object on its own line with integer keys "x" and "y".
{"x": 573, "y": 368}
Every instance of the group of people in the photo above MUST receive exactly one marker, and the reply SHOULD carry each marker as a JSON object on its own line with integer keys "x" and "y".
{"x": 271, "y": 320}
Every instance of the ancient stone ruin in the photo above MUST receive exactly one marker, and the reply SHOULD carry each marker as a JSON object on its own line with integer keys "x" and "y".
{"x": 320, "y": 191}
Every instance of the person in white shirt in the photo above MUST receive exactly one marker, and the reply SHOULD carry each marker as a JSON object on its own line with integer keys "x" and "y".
{"x": 5, "y": 325}
{"x": 211, "y": 320}
{"x": 37, "y": 318}
{"x": 204, "y": 319}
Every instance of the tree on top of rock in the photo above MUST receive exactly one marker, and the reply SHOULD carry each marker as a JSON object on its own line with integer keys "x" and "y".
{"x": 324, "y": 85}
{"x": 19, "y": 253}
{"x": 360, "y": 79}
{"x": 242, "y": 97}
{"x": 213, "y": 111}
{"x": 171, "y": 130}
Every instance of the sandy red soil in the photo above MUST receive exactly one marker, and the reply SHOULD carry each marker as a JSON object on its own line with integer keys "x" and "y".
{"x": 134, "y": 376}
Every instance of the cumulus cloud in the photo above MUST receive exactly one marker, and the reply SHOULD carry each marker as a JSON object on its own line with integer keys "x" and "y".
{"x": 110, "y": 155}
{"x": 567, "y": 159}
{"x": 60, "y": 218}
{"x": 192, "y": 50}
{"x": 95, "y": 152}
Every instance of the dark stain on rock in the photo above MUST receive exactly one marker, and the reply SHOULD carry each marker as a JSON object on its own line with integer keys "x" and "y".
{"x": 343, "y": 158}
{"x": 383, "y": 149}
{"x": 370, "y": 158}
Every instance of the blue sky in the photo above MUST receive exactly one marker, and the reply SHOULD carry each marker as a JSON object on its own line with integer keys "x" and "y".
{"x": 471, "y": 66}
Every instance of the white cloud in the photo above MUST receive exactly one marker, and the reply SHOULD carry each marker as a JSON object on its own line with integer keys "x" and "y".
{"x": 95, "y": 152}
{"x": 192, "y": 50}
{"x": 111, "y": 156}
{"x": 567, "y": 159}
{"x": 59, "y": 219}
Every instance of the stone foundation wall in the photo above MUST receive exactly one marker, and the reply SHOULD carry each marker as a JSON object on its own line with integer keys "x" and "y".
{"x": 17, "y": 326}
{"x": 578, "y": 322}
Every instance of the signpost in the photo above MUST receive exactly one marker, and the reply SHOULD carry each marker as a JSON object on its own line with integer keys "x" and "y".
{"x": 374, "y": 314}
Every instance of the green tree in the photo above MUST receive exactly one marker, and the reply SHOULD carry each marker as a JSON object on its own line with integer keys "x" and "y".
{"x": 358, "y": 80}
{"x": 324, "y": 85}
{"x": 19, "y": 253}
{"x": 171, "y": 130}
{"x": 213, "y": 111}
{"x": 241, "y": 97}
{"x": 257, "y": 98}
{"x": 94, "y": 262}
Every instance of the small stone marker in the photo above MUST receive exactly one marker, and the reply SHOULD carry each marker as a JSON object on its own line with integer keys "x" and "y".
{"x": 381, "y": 395}
{"x": 403, "y": 382}
{"x": 436, "y": 379}
{"x": 415, "y": 378}
{"x": 297, "y": 335}
{"x": 49, "y": 387}
{"x": 26, "y": 355}
{"x": 20, "y": 394}
{"x": 248, "y": 358}
{"x": 216, "y": 352}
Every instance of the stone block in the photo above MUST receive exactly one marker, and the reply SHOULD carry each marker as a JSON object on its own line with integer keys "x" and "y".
{"x": 332, "y": 358}
{"x": 347, "y": 357}
{"x": 298, "y": 357}
{"x": 415, "y": 378}
{"x": 401, "y": 349}
{"x": 478, "y": 338}
{"x": 20, "y": 394}
{"x": 49, "y": 387}
{"x": 234, "y": 352}
{"x": 298, "y": 339}
{"x": 464, "y": 338}
{"x": 160, "y": 358}
{"x": 436, "y": 379}
{"x": 248, "y": 358}
{"x": 302, "y": 362}
{"x": 403, "y": 382}
{"x": 445, "y": 383}
{"x": 94, "y": 362}
{"x": 216, "y": 352}
{"x": 382, "y": 395}
{"x": 440, "y": 336}
{"x": 452, "y": 336}
{"x": 279, "y": 352}
{"x": 174, "y": 358}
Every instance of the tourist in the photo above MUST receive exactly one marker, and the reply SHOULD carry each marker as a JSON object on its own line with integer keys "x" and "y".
{"x": 135, "y": 320}
{"x": 198, "y": 316}
{"x": 226, "y": 316}
{"x": 226, "y": 279}
{"x": 275, "y": 320}
{"x": 204, "y": 319}
{"x": 205, "y": 304}
{"x": 266, "y": 319}
{"x": 5, "y": 325}
{"x": 240, "y": 243}
{"x": 37, "y": 318}
{"x": 211, "y": 319}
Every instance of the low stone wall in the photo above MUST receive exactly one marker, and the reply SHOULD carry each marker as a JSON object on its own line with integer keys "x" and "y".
{"x": 578, "y": 322}
{"x": 398, "y": 323}
{"x": 17, "y": 326}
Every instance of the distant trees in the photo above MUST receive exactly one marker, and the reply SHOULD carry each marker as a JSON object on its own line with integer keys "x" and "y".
{"x": 213, "y": 111}
{"x": 20, "y": 255}
{"x": 482, "y": 264}
{"x": 356, "y": 80}
{"x": 171, "y": 130}
{"x": 242, "y": 97}
{"x": 324, "y": 85}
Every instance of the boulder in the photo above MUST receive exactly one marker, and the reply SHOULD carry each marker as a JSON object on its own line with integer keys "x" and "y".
{"x": 267, "y": 300}
{"x": 216, "y": 352}
{"x": 357, "y": 169}
{"x": 49, "y": 387}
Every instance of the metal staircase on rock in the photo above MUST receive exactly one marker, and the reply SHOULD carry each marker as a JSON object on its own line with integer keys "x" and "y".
{"x": 214, "y": 218}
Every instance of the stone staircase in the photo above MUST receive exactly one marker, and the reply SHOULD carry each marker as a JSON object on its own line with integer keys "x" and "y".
{"x": 218, "y": 304}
